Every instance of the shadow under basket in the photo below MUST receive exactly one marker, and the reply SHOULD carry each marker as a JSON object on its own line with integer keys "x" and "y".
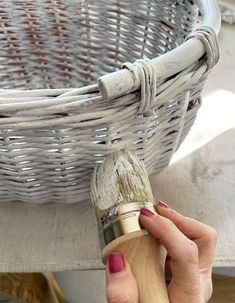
{"x": 81, "y": 79}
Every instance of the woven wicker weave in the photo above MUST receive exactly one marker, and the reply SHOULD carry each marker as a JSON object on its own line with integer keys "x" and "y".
{"x": 65, "y": 102}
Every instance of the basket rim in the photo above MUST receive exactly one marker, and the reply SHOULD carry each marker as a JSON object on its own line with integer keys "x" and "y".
{"x": 119, "y": 82}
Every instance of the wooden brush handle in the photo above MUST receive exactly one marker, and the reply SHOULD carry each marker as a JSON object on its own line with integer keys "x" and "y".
{"x": 143, "y": 253}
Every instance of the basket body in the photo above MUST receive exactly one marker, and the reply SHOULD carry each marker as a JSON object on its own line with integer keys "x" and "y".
{"x": 55, "y": 124}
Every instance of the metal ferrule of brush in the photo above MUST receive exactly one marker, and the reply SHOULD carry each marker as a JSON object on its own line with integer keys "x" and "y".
{"x": 121, "y": 220}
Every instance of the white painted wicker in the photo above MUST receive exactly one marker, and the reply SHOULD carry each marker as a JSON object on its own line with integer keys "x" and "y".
{"x": 68, "y": 98}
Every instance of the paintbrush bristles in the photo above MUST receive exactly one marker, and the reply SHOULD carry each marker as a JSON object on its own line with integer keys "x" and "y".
{"x": 121, "y": 179}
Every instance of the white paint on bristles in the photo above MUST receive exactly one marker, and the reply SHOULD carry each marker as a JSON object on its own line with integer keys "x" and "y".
{"x": 122, "y": 178}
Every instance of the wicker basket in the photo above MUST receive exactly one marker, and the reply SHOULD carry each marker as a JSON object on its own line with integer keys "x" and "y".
{"x": 68, "y": 98}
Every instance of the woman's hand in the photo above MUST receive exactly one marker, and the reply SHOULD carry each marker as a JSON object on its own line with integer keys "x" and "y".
{"x": 190, "y": 246}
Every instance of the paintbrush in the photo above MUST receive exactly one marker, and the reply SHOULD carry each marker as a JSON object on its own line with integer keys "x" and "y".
{"x": 119, "y": 188}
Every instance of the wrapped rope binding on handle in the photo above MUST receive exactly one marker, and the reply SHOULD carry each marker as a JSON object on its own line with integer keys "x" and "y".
{"x": 145, "y": 74}
{"x": 209, "y": 38}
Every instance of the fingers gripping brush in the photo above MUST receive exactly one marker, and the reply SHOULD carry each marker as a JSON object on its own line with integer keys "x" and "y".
{"x": 120, "y": 187}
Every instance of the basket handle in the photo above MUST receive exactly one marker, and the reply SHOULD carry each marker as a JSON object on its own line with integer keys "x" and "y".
{"x": 122, "y": 82}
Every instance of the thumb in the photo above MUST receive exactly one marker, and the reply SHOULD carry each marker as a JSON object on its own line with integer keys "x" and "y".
{"x": 121, "y": 286}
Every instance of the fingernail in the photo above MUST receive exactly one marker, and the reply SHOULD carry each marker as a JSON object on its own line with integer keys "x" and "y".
{"x": 116, "y": 263}
{"x": 163, "y": 204}
{"x": 147, "y": 212}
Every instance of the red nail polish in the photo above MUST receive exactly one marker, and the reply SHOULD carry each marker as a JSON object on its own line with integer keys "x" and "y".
{"x": 163, "y": 204}
{"x": 116, "y": 263}
{"x": 147, "y": 212}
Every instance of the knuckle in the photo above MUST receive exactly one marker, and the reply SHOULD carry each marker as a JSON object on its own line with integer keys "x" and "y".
{"x": 191, "y": 251}
{"x": 212, "y": 234}
{"x": 190, "y": 220}
{"x": 210, "y": 238}
{"x": 169, "y": 224}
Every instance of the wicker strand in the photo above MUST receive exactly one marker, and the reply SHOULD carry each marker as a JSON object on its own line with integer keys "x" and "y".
{"x": 144, "y": 73}
{"x": 54, "y": 128}
{"x": 209, "y": 38}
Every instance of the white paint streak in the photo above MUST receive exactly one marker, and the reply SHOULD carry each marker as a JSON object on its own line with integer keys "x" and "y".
{"x": 122, "y": 178}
